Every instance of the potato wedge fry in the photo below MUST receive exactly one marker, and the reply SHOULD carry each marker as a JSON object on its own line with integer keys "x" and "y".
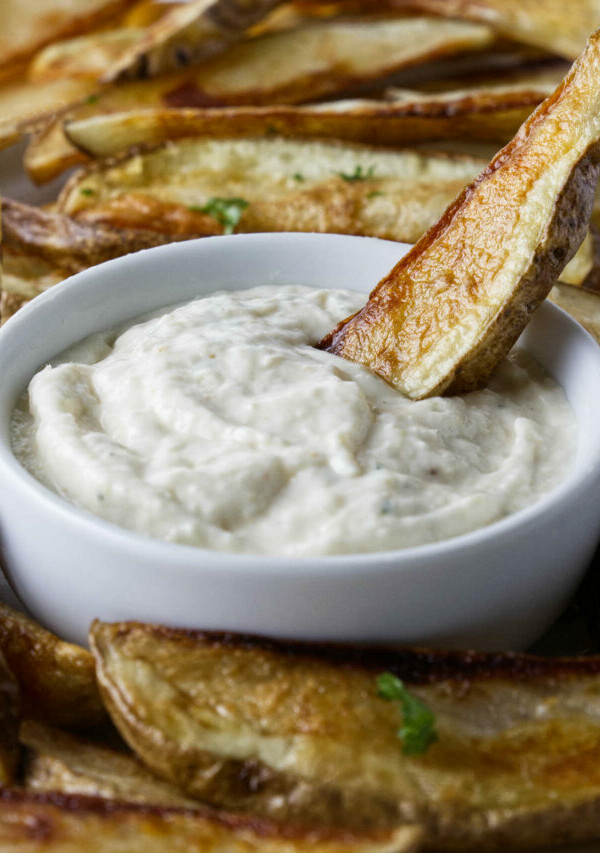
{"x": 290, "y": 185}
{"x": 58, "y": 761}
{"x": 25, "y": 106}
{"x": 23, "y": 278}
{"x": 189, "y": 34}
{"x": 68, "y": 244}
{"x": 481, "y": 115}
{"x": 84, "y": 56}
{"x": 56, "y": 679}
{"x": 446, "y": 315}
{"x": 550, "y": 24}
{"x": 9, "y": 723}
{"x": 27, "y": 25}
{"x": 297, "y": 730}
{"x": 59, "y": 823}
{"x": 303, "y": 64}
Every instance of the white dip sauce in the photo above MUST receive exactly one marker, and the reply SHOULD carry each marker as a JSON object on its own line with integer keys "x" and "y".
{"x": 218, "y": 424}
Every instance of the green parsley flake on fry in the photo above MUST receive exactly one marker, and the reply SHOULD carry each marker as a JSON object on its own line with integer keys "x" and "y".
{"x": 358, "y": 174}
{"x": 227, "y": 211}
{"x": 418, "y": 731}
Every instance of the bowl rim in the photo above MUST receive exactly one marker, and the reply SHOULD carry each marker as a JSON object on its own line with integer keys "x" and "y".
{"x": 188, "y": 556}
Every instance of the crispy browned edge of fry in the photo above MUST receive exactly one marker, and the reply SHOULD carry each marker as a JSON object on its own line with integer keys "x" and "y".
{"x": 57, "y": 679}
{"x": 81, "y": 804}
{"x": 385, "y": 123}
{"x": 71, "y": 244}
{"x": 415, "y": 665}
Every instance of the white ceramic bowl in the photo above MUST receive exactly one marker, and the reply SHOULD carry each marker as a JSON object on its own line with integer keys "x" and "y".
{"x": 498, "y": 587}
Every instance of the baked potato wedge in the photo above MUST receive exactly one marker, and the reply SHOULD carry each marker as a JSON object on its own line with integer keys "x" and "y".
{"x": 28, "y": 25}
{"x": 66, "y": 243}
{"x": 57, "y": 680}
{"x": 318, "y": 59}
{"x": 23, "y": 277}
{"x": 25, "y": 105}
{"x": 297, "y": 731}
{"x": 553, "y": 25}
{"x": 189, "y": 33}
{"x": 58, "y": 761}
{"x": 451, "y": 309}
{"x": 84, "y": 56}
{"x": 60, "y": 823}
{"x": 481, "y": 115}
{"x": 290, "y": 185}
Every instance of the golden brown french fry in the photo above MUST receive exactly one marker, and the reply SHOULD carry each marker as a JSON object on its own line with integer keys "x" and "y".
{"x": 25, "y": 105}
{"x": 67, "y": 244}
{"x": 290, "y": 185}
{"x": 58, "y": 761}
{"x": 28, "y": 25}
{"x": 446, "y": 315}
{"x": 297, "y": 730}
{"x": 189, "y": 33}
{"x": 558, "y": 27}
{"x": 23, "y": 278}
{"x": 59, "y": 823}
{"x": 56, "y": 679}
{"x": 85, "y": 56}
{"x": 483, "y": 115}
{"x": 302, "y": 64}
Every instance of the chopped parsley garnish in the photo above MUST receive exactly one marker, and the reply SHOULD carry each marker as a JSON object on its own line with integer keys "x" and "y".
{"x": 91, "y": 99}
{"x": 298, "y": 176}
{"x": 86, "y": 191}
{"x": 374, "y": 194}
{"x": 418, "y": 731}
{"x": 358, "y": 174}
{"x": 227, "y": 211}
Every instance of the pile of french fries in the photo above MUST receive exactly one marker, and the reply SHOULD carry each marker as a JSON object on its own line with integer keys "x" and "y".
{"x": 173, "y": 121}
{"x": 179, "y": 120}
{"x": 167, "y": 739}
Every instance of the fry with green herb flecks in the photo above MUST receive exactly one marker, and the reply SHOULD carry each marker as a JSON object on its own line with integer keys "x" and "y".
{"x": 297, "y": 731}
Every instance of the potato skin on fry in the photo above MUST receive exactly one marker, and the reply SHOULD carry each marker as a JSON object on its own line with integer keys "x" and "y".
{"x": 60, "y": 761}
{"x": 9, "y": 723}
{"x": 69, "y": 244}
{"x": 188, "y": 34}
{"x": 296, "y": 731}
{"x": 451, "y": 309}
{"x": 57, "y": 679}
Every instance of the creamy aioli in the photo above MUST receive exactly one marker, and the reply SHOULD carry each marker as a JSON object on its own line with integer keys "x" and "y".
{"x": 219, "y": 425}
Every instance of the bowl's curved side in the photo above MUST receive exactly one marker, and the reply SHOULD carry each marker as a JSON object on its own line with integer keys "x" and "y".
{"x": 495, "y": 588}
